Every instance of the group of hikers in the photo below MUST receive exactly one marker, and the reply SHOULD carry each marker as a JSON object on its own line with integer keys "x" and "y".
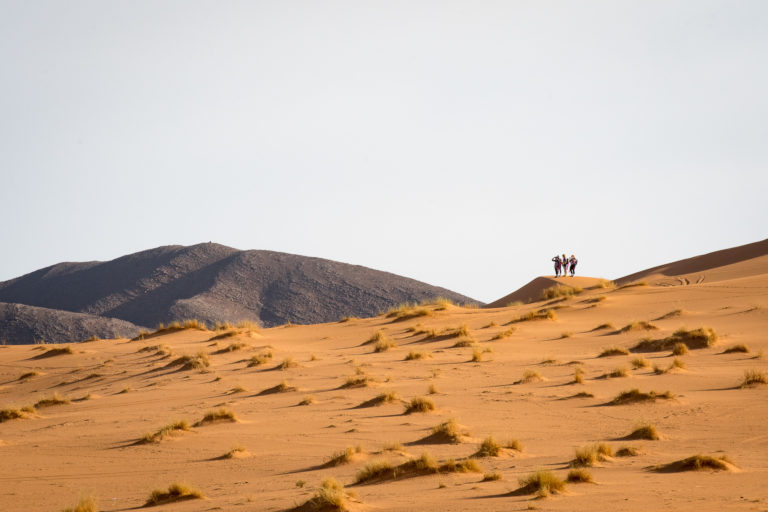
{"x": 563, "y": 264}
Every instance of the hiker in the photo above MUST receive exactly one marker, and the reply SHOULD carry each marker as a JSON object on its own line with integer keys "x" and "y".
{"x": 573, "y": 261}
{"x": 556, "y": 259}
{"x": 564, "y": 263}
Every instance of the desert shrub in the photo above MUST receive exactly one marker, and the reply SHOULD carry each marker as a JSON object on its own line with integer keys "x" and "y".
{"x": 541, "y": 483}
{"x": 424, "y": 465}
{"x": 56, "y": 399}
{"x": 530, "y": 376}
{"x": 414, "y": 355}
{"x": 260, "y": 359}
{"x": 754, "y": 378}
{"x": 702, "y": 337}
{"x": 329, "y": 496}
{"x": 590, "y": 455}
{"x": 344, "y": 457}
{"x": 579, "y": 476}
{"x": 220, "y": 414}
{"x": 627, "y": 451}
{"x": 492, "y": 477}
{"x": 635, "y": 396}
{"x": 613, "y": 351}
{"x": 644, "y": 431}
{"x": 697, "y": 463}
{"x": 84, "y": 504}
{"x": 288, "y": 362}
{"x": 448, "y": 432}
{"x": 554, "y": 292}
{"x": 457, "y": 332}
{"x": 730, "y": 350}
{"x": 679, "y": 349}
{"x": 640, "y": 362}
{"x": 283, "y": 387}
{"x": 381, "y": 399}
{"x": 407, "y": 311}
{"x": 465, "y": 342}
{"x": 489, "y": 448}
{"x": 358, "y": 381}
{"x": 175, "y": 492}
{"x": 542, "y": 314}
{"x": 384, "y": 344}
{"x": 477, "y": 355}
{"x": 513, "y": 444}
{"x": 432, "y": 390}
{"x": 637, "y": 326}
{"x": 164, "y": 432}
{"x": 15, "y": 414}
{"x": 198, "y": 361}
{"x": 504, "y": 334}
{"x": 616, "y": 373}
{"x": 419, "y": 404}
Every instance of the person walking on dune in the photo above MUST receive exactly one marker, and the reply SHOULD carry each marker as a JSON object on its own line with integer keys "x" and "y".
{"x": 564, "y": 263}
{"x": 556, "y": 259}
{"x": 572, "y": 264}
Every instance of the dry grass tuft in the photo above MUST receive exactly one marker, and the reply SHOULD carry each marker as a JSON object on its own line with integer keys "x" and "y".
{"x": 283, "y": 387}
{"x": 164, "y": 432}
{"x": 448, "y": 432}
{"x": 84, "y": 504}
{"x": 603, "y": 283}
{"x": 465, "y": 342}
{"x": 308, "y": 400}
{"x": 753, "y": 378}
{"x": 386, "y": 397}
{"x": 477, "y": 355}
{"x": 424, "y": 465}
{"x": 504, "y": 334}
{"x": 680, "y": 349}
{"x": 29, "y": 375}
{"x": 702, "y": 337}
{"x": 541, "y": 483}
{"x": 419, "y": 404}
{"x": 639, "y": 326}
{"x": 640, "y": 362}
{"x": 220, "y": 414}
{"x": 671, "y": 314}
{"x": 644, "y": 431}
{"x": 198, "y": 361}
{"x": 225, "y": 335}
{"x": 628, "y": 451}
{"x": 358, "y": 381}
{"x": 488, "y": 448}
{"x": 633, "y": 284}
{"x": 697, "y": 463}
{"x": 414, "y": 355}
{"x": 579, "y": 476}
{"x": 492, "y": 477}
{"x": 566, "y": 334}
{"x": 616, "y": 373}
{"x": 56, "y": 399}
{"x": 344, "y": 457}
{"x": 55, "y": 351}
{"x": 236, "y": 452}
{"x": 330, "y": 496}
{"x": 590, "y": 455}
{"x": 601, "y": 327}
{"x": 260, "y": 359}
{"x": 542, "y": 314}
{"x": 432, "y": 390}
{"x": 730, "y": 350}
{"x": 530, "y": 376}
{"x": 288, "y": 362}
{"x": 489, "y": 325}
{"x": 613, "y": 351}
{"x": 636, "y": 396}
{"x": 15, "y": 414}
{"x": 384, "y": 344}
{"x": 554, "y": 292}
{"x": 407, "y": 311}
{"x": 175, "y": 492}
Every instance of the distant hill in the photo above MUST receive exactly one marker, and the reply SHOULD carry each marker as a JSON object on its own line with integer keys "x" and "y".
{"x": 215, "y": 283}
{"x": 21, "y": 324}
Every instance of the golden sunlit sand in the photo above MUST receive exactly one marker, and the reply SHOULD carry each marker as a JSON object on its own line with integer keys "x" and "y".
{"x": 435, "y": 407}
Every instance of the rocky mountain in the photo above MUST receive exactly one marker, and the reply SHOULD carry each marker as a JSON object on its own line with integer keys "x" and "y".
{"x": 215, "y": 283}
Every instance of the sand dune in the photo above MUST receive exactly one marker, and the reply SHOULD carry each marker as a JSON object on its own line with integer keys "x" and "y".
{"x": 534, "y": 289}
{"x": 498, "y": 372}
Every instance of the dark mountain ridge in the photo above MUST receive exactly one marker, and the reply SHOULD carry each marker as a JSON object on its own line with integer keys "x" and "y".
{"x": 215, "y": 283}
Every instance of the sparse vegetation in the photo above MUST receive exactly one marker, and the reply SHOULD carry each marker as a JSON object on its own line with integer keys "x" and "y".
{"x": 644, "y": 431}
{"x": 489, "y": 325}
{"x": 164, "y": 432}
{"x": 604, "y": 326}
{"x": 448, "y": 432}
{"x": 15, "y": 414}
{"x": 590, "y": 455}
{"x": 465, "y": 342}
{"x": 753, "y": 378}
{"x": 84, "y": 504}
{"x": 344, "y": 457}
{"x": 220, "y": 414}
{"x": 283, "y": 387}
{"x": 329, "y": 496}
{"x": 28, "y": 375}
{"x": 613, "y": 351}
{"x": 697, "y": 463}
{"x": 636, "y": 396}
{"x": 492, "y": 477}
{"x": 386, "y": 397}
{"x": 55, "y": 351}
{"x": 702, "y": 337}
{"x": 740, "y": 348}
{"x": 616, "y": 373}
{"x": 489, "y": 448}
{"x": 419, "y": 404}
{"x": 424, "y": 465}
{"x": 236, "y": 452}
{"x": 432, "y": 390}
{"x": 198, "y": 361}
{"x": 358, "y": 381}
{"x": 530, "y": 376}
{"x": 407, "y": 311}
{"x": 671, "y": 314}
{"x": 639, "y": 326}
{"x": 640, "y": 362}
{"x": 175, "y": 492}
{"x": 579, "y": 476}
{"x": 288, "y": 362}
{"x": 308, "y": 400}
{"x": 603, "y": 283}
{"x": 541, "y": 483}
{"x": 414, "y": 355}
{"x": 633, "y": 284}
{"x": 477, "y": 355}
{"x": 56, "y": 399}
{"x": 554, "y": 292}
{"x": 628, "y": 451}
{"x": 384, "y": 344}
{"x": 504, "y": 334}
{"x": 542, "y": 314}
{"x": 260, "y": 359}
{"x": 566, "y": 334}
{"x": 679, "y": 349}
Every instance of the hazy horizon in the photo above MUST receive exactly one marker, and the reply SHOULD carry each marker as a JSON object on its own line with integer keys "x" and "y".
{"x": 460, "y": 144}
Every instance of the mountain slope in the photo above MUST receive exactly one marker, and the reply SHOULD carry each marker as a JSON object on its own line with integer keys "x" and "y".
{"x": 20, "y": 324}
{"x": 215, "y": 283}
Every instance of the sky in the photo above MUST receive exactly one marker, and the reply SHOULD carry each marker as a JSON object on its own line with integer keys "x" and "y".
{"x": 460, "y": 143}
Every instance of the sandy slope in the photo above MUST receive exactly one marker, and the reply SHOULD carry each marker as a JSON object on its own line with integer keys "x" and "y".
{"x": 88, "y": 444}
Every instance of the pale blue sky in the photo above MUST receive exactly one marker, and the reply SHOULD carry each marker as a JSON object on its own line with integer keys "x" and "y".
{"x": 458, "y": 143}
